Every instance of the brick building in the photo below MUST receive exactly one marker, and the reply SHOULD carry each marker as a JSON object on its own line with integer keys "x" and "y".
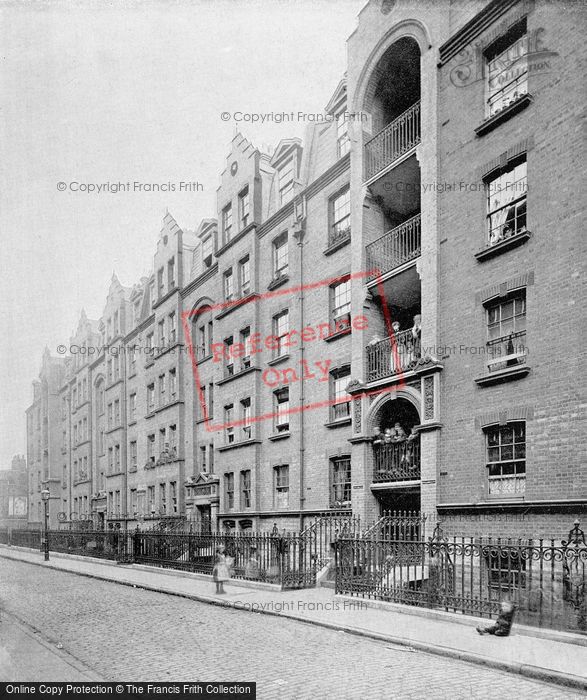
{"x": 410, "y": 362}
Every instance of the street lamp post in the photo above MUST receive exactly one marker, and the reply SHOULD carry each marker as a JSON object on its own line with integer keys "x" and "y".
{"x": 45, "y": 495}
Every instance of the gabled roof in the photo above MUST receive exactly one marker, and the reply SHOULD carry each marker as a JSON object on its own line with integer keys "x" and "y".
{"x": 283, "y": 147}
{"x": 338, "y": 97}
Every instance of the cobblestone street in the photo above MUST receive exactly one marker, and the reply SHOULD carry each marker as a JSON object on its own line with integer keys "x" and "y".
{"x": 123, "y": 634}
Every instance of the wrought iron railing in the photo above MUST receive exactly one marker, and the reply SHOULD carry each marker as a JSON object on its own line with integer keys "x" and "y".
{"x": 322, "y": 534}
{"x": 391, "y": 356}
{"x": 395, "y": 248}
{"x": 510, "y": 351}
{"x": 397, "y": 462}
{"x": 545, "y": 579}
{"x": 393, "y": 141}
{"x": 398, "y": 525}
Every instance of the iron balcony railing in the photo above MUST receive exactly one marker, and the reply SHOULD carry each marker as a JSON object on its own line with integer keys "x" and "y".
{"x": 391, "y": 356}
{"x": 338, "y": 234}
{"x": 397, "y": 247}
{"x": 393, "y": 141}
{"x": 397, "y": 462}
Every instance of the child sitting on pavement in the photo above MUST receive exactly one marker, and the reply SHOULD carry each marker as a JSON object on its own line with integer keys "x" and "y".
{"x": 503, "y": 625}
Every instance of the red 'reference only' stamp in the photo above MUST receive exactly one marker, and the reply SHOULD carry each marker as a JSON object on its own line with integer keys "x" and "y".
{"x": 264, "y": 350}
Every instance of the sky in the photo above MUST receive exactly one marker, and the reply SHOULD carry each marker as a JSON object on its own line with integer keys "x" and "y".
{"x": 107, "y": 92}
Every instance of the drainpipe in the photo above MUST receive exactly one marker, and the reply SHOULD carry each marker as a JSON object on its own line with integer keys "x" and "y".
{"x": 299, "y": 233}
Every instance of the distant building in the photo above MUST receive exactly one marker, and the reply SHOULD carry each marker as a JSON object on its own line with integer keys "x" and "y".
{"x": 14, "y": 494}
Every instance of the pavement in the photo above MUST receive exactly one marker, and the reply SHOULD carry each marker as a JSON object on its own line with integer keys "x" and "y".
{"x": 545, "y": 655}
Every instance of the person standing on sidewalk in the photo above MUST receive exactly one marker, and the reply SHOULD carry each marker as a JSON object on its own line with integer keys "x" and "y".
{"x": 503, "y": 625}
{"x": 221, "y": 571}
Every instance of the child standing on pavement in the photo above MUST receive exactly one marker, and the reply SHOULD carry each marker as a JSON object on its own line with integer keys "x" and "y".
{"x": 221, "y": 572}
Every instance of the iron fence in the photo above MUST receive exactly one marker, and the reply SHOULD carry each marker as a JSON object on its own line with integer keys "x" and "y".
{"x": 284, "y": 559}
{"x": 104, "y": 544}
{"x": 546, "y": 580}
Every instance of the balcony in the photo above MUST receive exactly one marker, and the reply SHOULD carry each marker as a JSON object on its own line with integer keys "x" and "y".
{"x": 391, "y": 356}
{"x": 396, "y": 461}
{"x": 392, "y": 142}
{"x": 395, "y": 248}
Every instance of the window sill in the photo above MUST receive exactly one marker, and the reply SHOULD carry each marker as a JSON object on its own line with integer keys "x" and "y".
{"x": 132, "y": 422}
{"x": 242, "y": 443}
{"x": 341, "y": 422}
{"x": 114, "y": 474}
{"x": 112, "y": 384}
{"x": 337, "y": 245}
{"x": 167, "y": 405}
{"x": 235, "y": 304}
{"x": 277, "y": 282}
{"x": 503, "y": 375}
{"x": 279, "y": 436}
{"x": 165, "y": 296}
{"x": 113, "y": 430}
{"x": 167, "y": 348}
{"x": 243, "y": 372}
{"x": 505, "y": 245}
{"x": 237, "y": 237}
{"x": 132, "y": 374}
{"x": 278, "y": 360}
{"x": 505, "y": 114}
{"x": 339, "y": 334}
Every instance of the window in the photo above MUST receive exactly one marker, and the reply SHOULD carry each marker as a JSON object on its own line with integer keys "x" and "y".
{"x": 506, "y": 459}
{"x": 133, "y": 454}
{"x": 342, "y": 401}
{"x": 117, "y": 457}
{"x": 506, "y": 572}
{"x": 244, "y": 274}
{"x": 203, "y": 460}
{"x": 506, "y": 331}
{"x": 133, "y": 502}
{"x": 506, "y": 203}
{"x": 341, "y": 216}
{"x": 341, "y": 482}
{"x": 246, "y": 488}
{"x": 151, "y": 499}
{"x": 343, "y": 144}
{"x": 110, "y": 460}
{"x": 202, "y": 344}
{"x": 244, "y": 207}
{"x": 281, "y": 481}
{"x": 160, "y": 283}
{"x": 162, "y": 439}
{"x": 341, "y": 304}
{"x": 109, "y": 376}
{"x": 132, "y": 407}
{"x": 161, "y": 327}
{"x": 228, "y": 285}
{"x": 286, "y": 181}
{"x": 171, "y": 273}
{"x": 162, "y": 498}
{"x": 228, "y": 427}
{"x": 281, "y": 333}
{"x": 281, "y": 399}
{"x": 110, "y": 421}
{"x": 246, "y": 418}
{"x": 507, "y": 69}
{"x": 229, "y": 362}
{"x": 101, "y": 441}
{"x": 161, "y": 389}
{"x": 149, "y": 344}
{"x": 207, "y": 252}
{"x": 245, "y": 336}
{"x": 109, "y": 329}
{"x": 151, "y": 294}
{"x": 280, "y": 256}
{"x": 132, "y": 360}
{"x": 115, "y": 324}
{"x": 117, "y": 412}
{"x": 151, "y": 448}
{"x": 173, "y": 496}
{"x": 172, "y": 328}
{"x": 226, "y": 224}
{"x": 229, "y": 490}
{"x": 151, "y": 398}
{"x": 173, "y": 440}
{"x": 172, "y": 383}
{"x": 137, "y": 311}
